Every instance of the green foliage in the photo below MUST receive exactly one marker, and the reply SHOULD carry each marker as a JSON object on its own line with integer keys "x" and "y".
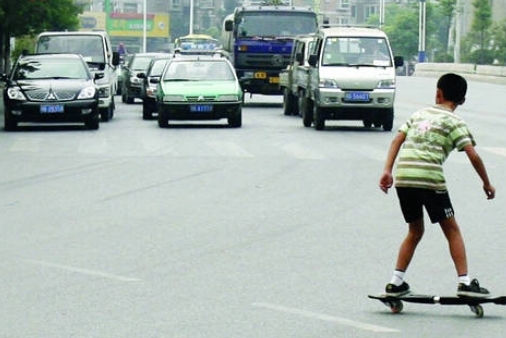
{"x": 30, "y": 17}
{"x": 24, "y": 43}
{"x": 476, "y": 47}
{"x": 498, "y": 33}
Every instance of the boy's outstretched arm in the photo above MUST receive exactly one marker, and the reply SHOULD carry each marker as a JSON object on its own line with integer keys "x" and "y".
{"x": 481, "y": 170}
{"x": 387, "y": 179}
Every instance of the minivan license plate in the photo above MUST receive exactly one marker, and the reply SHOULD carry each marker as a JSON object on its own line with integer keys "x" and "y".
{"x": 51, "y": 108}
{"x": 357, "y": 96}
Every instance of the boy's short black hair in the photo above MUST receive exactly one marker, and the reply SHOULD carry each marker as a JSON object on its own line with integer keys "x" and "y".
{"x": 453, "y": 86}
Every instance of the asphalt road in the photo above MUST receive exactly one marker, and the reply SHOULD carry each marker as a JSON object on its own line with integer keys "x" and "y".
{"x": 270, "y": 230}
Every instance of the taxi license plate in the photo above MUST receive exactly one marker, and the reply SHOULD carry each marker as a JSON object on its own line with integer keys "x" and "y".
{"x": 274, "y": 80}
{"x": 260, "y": 75}
{"x": 201, "y": 108}
{"x": 51, "y": 108}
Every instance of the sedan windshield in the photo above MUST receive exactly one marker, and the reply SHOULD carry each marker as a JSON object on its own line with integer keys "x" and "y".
{"x": 57, "y": 68}
{"x": 199, "y": 71}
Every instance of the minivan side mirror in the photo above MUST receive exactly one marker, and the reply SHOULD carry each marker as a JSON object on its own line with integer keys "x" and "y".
{"x": 313, "y": 59}
{"x": 299, "y": 58}
{"x": 115, "y": 58}
{"x": 229, "y": 25}
{"x": 398, "y": 61}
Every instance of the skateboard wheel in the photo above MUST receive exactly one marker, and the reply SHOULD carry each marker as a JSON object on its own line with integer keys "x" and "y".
{"x": 396, "y": 306}
{"x": 478, "y": 310}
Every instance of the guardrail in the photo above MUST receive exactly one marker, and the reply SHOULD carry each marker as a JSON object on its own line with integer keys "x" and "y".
{"x": 484, "y": 73}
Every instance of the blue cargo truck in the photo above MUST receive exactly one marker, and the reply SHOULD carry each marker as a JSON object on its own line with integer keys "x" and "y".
{"x": 259, "y": 42}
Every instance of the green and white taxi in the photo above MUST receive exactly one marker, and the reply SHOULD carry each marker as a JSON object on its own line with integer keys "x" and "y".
{"x": 199, "y": 87}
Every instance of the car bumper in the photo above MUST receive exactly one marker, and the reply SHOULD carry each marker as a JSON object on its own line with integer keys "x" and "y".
{"x": 75, "y": 111}
{"x": 184, "y": 111}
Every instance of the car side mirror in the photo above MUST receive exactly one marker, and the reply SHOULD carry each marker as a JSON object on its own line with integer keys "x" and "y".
{"x": 154, "y": 80}
{"x": 141, "y": 75}
{"x": 98, "y": 76}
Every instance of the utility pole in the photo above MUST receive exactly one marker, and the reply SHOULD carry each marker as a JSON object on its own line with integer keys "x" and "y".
{"x": 421, "y": 31}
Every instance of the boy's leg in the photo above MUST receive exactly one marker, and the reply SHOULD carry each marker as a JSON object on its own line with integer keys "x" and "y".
{"x": 397, "y": 285}
{"x": 408, "y": 246}
{"x": 452, "y": 233}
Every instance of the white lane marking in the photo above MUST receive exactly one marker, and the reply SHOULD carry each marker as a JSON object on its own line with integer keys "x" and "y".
{"x": 229, "y": 149}
{"x": 297, "y": 151}
{"x": 497, "y": 151}
{"x": 327, "y": 318}
{"x": 82, "y": 271}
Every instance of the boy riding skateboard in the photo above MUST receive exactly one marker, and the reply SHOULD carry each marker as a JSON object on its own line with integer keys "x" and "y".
{"x": 422, "y": 145}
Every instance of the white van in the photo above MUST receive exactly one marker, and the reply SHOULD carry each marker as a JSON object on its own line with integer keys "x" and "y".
{"x": 352, "y": 77}
{"x": 95, "y": 47}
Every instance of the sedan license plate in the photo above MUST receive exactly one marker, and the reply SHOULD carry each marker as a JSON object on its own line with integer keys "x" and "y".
{"x": 357, "y": 96}
{"x": 201, "y": 108}
{"x": 51, "y": 108}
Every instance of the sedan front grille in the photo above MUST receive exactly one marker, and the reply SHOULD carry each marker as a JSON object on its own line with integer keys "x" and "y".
{"x": 40, "y": 95}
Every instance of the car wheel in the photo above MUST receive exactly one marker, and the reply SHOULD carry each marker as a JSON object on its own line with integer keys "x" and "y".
{"x": 235, "y": 120}
{"x": 146, "y": 111}
{"x": 9, "y": 123}
{"x": 319, "y": 118}
{"x": 388, "y": 119}
{"x": 163, "y": 120}
{"x": 367, "y": 123}
{"x": 92, "y": 122}
{"x": 106, "y": 113}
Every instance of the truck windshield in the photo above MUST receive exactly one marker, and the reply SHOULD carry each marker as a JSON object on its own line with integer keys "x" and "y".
{"x": 89, "y": 46}
{"x": 276, "y": 24}
{"x": 363, "y": 51}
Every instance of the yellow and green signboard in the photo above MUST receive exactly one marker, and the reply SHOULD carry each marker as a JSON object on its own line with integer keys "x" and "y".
{"x": 127, "y": 24}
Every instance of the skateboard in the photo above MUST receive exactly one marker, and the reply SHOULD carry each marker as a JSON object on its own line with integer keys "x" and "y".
{"x": 395, "y": 303}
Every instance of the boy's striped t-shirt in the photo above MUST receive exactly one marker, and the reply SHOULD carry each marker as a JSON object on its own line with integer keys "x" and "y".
{"x": 431, "y": 134}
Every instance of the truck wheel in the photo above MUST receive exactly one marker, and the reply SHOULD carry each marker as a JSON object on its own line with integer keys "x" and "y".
{"x": 307, "y": 115}
{"x": 319, "y": 119}
{"x": 388, "y": 119}
{"x": 288, "y": 105}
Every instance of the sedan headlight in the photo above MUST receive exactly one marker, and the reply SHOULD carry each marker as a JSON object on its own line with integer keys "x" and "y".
{"x": 386, "y": 84}
{"x": 232, "y": 97}
{"x": 87, "y": 93}
{"x": 328, "y": 83}
{"x": 172, "y": 98}
{"x": 15, "y": 93}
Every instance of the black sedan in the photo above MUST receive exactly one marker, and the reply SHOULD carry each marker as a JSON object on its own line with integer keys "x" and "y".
{"x": 149, "y": 83}
{"x": 51, "y": 88}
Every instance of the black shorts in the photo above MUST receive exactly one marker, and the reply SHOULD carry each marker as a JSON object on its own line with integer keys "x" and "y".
{"x": 437, "y": 203}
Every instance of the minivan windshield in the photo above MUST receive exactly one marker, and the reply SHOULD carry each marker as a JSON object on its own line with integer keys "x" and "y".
{"x": 362, "y": 51}
{"x": 89, "y": 46}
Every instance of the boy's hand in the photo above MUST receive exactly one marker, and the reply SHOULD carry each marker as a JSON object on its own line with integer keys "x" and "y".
{"x": 386, "y": 182}
{"x": 489, "y": 191}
